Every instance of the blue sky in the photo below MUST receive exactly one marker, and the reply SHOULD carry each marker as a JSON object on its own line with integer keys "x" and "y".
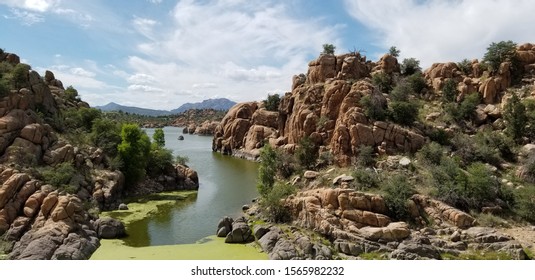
{"x": 162, "y": 53}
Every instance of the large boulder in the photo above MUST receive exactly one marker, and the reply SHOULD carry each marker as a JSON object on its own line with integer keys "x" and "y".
{"x": 240, "y": 232}
{"x": 109, "y": 228}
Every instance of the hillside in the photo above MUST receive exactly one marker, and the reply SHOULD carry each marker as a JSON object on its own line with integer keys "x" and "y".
{"x": 385, "y": 160}
{"x": 60, "y": 165}
{"x": 219, "y": 104}
{"x": 111, "y": 107}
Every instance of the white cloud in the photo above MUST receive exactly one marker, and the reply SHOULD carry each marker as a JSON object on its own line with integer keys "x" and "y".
{"x": 78, "y": 71}
{"x": 438, "y": 31}
{"x": 155, "y": 1}
{"x": 141, "y": 78}
{"x": 26, "y": 18}
{"x": 33, "y": 5}
{"x": 83, "y": 19}
{"x": 146, "y": 88}
{"x": 227, "y": 48}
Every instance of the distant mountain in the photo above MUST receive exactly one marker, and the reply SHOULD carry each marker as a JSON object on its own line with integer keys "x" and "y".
{"x": 221, "y": 104}
{"x": 132, "y": 110}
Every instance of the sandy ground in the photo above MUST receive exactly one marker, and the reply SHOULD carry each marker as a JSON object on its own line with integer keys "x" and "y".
{"x": 524, "y": 235}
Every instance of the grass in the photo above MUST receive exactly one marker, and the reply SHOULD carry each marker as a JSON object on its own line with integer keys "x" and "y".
{"x": 477, "y": 255}
{"x": 489, "y": 220}
{"x": 373, "y": 256}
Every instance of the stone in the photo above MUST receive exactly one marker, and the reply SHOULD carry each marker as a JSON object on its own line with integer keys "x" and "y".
{"x": 343, "y": 179}
{"x": 109, "y": 228}
{"x": 123, "y": 206}
{"x": 260, "y": 231}
{"x": 310, "y": 175}
{"x": 180, "y": 137}
{"x": 456, "y": 236}
{"x": 240, "y": 233}
{"x": 224, "y": 227}
{"x": 245, "y": 207}
{"x": 404, "y": 161}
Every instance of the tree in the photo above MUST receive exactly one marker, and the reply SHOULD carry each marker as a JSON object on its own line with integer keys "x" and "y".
{"x": 449, "y": 90}
{"x": 465, "y": 66}
{"x": 328, "y": 49}
{"x": 417, "y": 82}
{"x": 382, "y": 81}
{"x": 410, "y": 66}
{"x": 393, "y": 51}
{"x": 307, "y": 153}
{"x": 516, "y": 117}
{"x": 159, "y": 137}
{"x": 19, "y": 75}
{"x": 272, "y": 102}
{"x": 497, "y": 53}
{"x": 267, "y": 170}
{"x": 134, "y": 151}
{"x": 71, "y": 94}
{"x": 106, "y": 134}
{"x": 373, "y": 107}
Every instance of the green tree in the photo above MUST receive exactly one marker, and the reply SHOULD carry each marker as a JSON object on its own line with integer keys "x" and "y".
{"x": 71, "y": 94}
{"x": 272, "y": 102}
{"x": 106, "y": 134}
{"x": 159, "y": 137}
{"x": 417, "y": 82}
{"x": 328, "y": 49}
{"x": 497, "y": 53}
{"x": 465, "y": 66}
{"x": 449, "y": 90}
{"x": 134, "y": 152}
{"x": 393, "y": 51}
{"x": 267, "y": 170}
{"x": 516, "y": 117}
{"x": 373, "y": 107}
{"x": 160, "y": 159}
{"x": 410, "y": 66}
{"x": 398, "y": 191}
{"x": 382, "y": 81}
{"x": 20, "y": 75}
{"x": 306, "y": 153}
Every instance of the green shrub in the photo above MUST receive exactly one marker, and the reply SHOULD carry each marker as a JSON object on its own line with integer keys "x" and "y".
{"x": 20, "y": 75}
{"x": 449, "y": 91}
{"x": 272, "y": 206}
{"x": 382, "y": 81}
{"x": 525, "y": 206}
{"x": 366, "y": 179}
{"x": 272, "y": 102}
{"x": 439, "y": 135}
{"x": 159, "y": 137}
{"x": 403, "y": 112}
{"x": 160, "y": 159}
{"x": 398, "y": 191}
{"x": 401, "y": 92}
{"x": 410, "y": 66}
{"x": 328, "y": 49}
{"x": 306, "y": 153}
{"x": 4, "y": 88}
{"x": 465, "y": 66}
{"x": 516, "y": 118}
{"x": 365, "y": 156}
{"x": 373, "y": 108}
{"x": 417, "y": 82}
{"x": 431, "y": 153}
{"x": 106, "y": 134}
{"x": 325, "y": 158}
{"x": 182, "y": 160}
{"x": 71, "y": 94}
{"x": 82, "y": 118}
{"x": 59, "y": 176}
{"x": 267, "y": 170}
{"x": 465, "y": 110}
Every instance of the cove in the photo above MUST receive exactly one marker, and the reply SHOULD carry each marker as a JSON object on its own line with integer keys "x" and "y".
{"x": 173, "y": 223}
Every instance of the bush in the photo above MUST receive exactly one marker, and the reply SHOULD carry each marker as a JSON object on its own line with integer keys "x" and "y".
{"x": 71, "y": 94}
{"x": 106, "y": 134}
{"x": 60, "y": 175}
{"x": 398, "y": 191}
{"x": 272, "y": 102}
{"x": 525, "y": 207}
{"x": 272, "y": 206}
{"x": 402, "y": 112}
{"x": 465, "y": 66}
{"x": 159, "y": 137}
{"x": 20, "y": 75}
{"x": 382, "y": 81}
{"x": 134, "y": 152}
{"x": 328, "y": 49}
{"x": 465, "y": 110}
{"x": 81, "y": 118}
{"x": 393, "y": 51}
{"x": 497, "y": 53}
{"x": 439, "y": 135}
{"x": 366, "y": 179}
{"x": 160, "y": 159}
{"x": 267, "y": 170}
{"x": 516, "y": 118}
{"x": 182, "y": 160}
{"x": 431, "y": 153}
{"x": 365, "y": 156}
{"x": 4, "y": 88}
{"x": 307, "y": 153}
{"x": 373, "y": 108}
{"x": 410, "y": 66}
{"x": 417, "y": 82}
{"x": 401, "y": 92}
{"x": 449, "y": 91}
{"x": 287, "y": 164}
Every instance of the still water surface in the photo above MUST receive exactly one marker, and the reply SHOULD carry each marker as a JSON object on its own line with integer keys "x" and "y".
{"x": 226, "y": 183}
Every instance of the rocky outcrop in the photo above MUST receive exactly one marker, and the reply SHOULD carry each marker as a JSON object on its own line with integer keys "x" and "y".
{"x": 109, "y": 228}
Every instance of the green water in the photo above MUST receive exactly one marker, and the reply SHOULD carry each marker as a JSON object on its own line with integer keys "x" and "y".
{"x": 226, "y": 184}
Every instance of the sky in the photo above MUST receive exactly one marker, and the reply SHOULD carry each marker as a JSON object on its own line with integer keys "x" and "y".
{"x": 160, "y": 54}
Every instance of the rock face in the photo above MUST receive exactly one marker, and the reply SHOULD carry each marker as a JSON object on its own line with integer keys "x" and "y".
{"x": 235, "y": 231}
{"x": 109, "y": 228}
{"x": 324, "y": 107}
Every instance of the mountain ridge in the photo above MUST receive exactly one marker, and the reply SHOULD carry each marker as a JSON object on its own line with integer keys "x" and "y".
{"x": 222, "y": 104}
